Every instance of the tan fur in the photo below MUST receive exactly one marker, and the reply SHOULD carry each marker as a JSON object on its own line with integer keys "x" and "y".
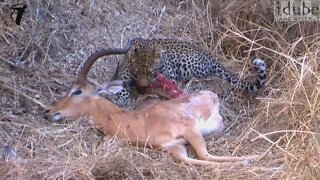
{"x": 166, "y": 125}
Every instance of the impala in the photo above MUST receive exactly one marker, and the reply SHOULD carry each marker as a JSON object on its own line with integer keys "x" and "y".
{"x": 167, "y": 125}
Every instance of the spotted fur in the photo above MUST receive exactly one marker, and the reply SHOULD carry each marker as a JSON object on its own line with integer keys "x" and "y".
{"x": 179, "y": 61}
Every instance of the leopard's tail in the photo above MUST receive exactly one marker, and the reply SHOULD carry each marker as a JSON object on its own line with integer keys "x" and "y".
{"x": 245, "y": 85}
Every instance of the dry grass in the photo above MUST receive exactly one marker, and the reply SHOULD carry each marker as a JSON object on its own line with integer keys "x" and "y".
{"x": 38, "y": 61}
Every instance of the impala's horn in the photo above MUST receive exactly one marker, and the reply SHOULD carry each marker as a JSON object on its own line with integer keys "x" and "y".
{"x": 95, "y": 56}
{"x": 116, "y": 73}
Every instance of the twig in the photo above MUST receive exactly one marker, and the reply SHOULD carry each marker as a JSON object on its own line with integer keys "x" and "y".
{"x": 25, "y": 95}
{"x": 35, "y": 29}
{"x": 283, "y": 131}
{"x": 273, "y": 143}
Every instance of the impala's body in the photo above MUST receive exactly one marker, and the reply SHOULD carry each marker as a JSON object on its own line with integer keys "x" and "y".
{"x": 167, "y": 125}
{"x": 161, "y": 125}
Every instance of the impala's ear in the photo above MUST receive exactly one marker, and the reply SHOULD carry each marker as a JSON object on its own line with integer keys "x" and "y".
{"x": 110, "y": 88}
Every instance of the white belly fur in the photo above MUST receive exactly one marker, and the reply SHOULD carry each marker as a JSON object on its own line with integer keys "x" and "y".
{"x": 213, "y": 124}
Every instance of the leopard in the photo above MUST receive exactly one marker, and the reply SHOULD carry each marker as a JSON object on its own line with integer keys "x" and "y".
{"x": 180, "y": 61}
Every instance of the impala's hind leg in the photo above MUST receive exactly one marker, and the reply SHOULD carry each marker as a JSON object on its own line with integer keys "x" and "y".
{"x": 180, "y": 154}
{"x": 196, "y": 140}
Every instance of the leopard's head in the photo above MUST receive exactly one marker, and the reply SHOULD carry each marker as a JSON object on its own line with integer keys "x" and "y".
{"x": 143, "y": 57}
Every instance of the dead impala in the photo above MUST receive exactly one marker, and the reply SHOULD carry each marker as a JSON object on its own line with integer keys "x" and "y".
{"x": 166, "y": 125}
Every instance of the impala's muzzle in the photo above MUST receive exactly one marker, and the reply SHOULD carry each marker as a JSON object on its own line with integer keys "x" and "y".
{"x": 56, "y": 116}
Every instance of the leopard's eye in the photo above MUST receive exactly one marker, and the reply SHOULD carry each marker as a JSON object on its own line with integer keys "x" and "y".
{"x": 133, "y": 71}
{"x": 132, "y": 60}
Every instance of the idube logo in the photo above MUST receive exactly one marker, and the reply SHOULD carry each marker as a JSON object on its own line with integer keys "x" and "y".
{"x": 297, "y": 10}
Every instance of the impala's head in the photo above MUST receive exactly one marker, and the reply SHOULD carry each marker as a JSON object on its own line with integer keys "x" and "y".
{"x": 73, "y": 105}
{"x": 79, "y": 99}
{"x": 82, "y": 100}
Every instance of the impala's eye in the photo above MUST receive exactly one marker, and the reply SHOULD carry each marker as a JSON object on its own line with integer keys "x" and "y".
{"x": 77, "y": 92}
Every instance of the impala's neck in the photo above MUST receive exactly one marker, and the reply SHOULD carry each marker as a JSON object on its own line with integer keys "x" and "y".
{"x": 102, "y": 107}
{"x": 101, "y": 112}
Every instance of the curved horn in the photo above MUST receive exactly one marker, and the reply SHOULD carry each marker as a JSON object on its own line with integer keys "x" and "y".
{"x": 95, "y": 56}
{"x": 116, "y": 73}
